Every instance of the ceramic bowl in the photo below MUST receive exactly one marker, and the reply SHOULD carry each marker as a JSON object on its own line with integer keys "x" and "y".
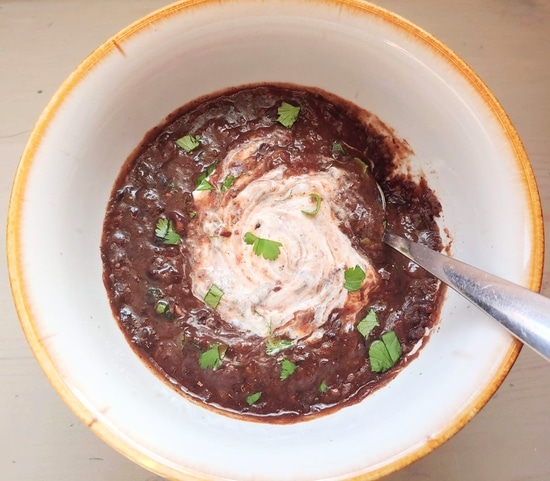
{"x": 462, "y": 141}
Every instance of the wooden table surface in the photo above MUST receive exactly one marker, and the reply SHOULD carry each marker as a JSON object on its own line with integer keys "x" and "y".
{"x": 507, "y": 42}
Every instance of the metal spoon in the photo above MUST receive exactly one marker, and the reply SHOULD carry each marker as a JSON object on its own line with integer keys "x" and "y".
{"x": 523, "y": 312}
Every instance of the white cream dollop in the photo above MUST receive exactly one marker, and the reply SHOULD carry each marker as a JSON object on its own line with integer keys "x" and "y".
{"x": 294, "y": 295}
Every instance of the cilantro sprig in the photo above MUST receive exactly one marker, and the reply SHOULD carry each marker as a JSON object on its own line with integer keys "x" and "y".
{"x": 275, "y": 346}
{"x": 368, "y": 323}
{"x": 337, "y": 147}
{"x": 364, "y": 167}
{"x": 354, "y": 277}
{"x": 213, "y": 296}
{"x": 189, "y": 142}
{"x": 288, "y": 368}
{"x": 253, "y": 398}
{"x": 202, "y": 182}
{"x": 268, "y": 249}
{"x": 212, "y": 358}
{"x": 288, "y": 114}
{"x": 163, "y": 307}
{"x": 317, "y": 199}
{"x": 165, "y": 231}
{"x": 385, "y": 352}
{"x": 227, "y": 183}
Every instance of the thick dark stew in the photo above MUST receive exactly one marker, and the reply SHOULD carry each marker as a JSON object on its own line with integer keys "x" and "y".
{"x": 243, "y": 258}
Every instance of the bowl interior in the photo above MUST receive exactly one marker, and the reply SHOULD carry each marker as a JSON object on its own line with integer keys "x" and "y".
{"x": 463, "y": 144}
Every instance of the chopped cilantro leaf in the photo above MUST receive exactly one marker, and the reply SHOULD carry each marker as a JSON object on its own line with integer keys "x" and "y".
{"x": 213, "y": 296}
{"x": 317, "y": 199}
{"x": 172, "y": 238}
{"x": 380, "y": 360}
{"x": 267, "y": 248}
{"x": 204, "y": 185}
{"x": 212, "y": 358}
{"x": 253, "y": 398}
{"x": 188, "y": 142}
{"x": 287, "y": 114}
{"x": 337, "y": 147}
{"x": 227, "y": 183}
{"x": 287, "y": 369}
{"x": 155, "y": 292}
{"x": 162, "y": 228}
{"x": 354, "y": 277}
{"x": 364, "y": 167}
{"x": 275, "y": 346}
{"x": 161, "y": 307}
{"x": 393, "y": 345}
{"x": 323, "y": 387}
{"x": 384, "y": 353}
{"x": 368, "y": 323}
{"x": 165, "y": 230}
{"x": 202, "y": 182}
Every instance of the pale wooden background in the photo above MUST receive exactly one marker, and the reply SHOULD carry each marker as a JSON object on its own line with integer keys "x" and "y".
{"x": 506, "y": 41}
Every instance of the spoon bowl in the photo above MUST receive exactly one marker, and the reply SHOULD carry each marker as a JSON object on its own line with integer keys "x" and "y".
{"x": 523, "y": 312}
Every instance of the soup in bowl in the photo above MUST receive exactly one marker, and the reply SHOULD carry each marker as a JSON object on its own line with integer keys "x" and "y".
{"x": 458, "y": 142}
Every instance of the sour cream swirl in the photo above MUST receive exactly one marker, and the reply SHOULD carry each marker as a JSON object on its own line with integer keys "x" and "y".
{"x": 293, "y": 295}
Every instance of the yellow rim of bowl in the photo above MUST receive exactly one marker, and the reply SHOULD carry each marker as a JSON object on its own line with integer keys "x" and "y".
{"x": 17, "y": 275}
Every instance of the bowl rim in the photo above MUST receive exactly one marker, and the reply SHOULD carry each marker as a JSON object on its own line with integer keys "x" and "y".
{"x": 17, "y": 274}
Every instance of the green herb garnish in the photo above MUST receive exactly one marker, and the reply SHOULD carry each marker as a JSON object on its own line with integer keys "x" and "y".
{"x": 364, "y": 167}
{"x": 213, "y": 296}
{"x": 287, "y": 114}
{"x": 212, "y": 358}
{"x": 267, "y": 248}
{"x": 163, "y": 307}
{"x": 323, "y": 387}
{"x": 317, "y": 199}
{"x": 384, "y": 353}
{"x": 188, "y": 142}
{"x": 275, "y": 346}
{"x": 155, "y": 292}
{"x": 253, "y": 398}
{"x": 204, "y": 185}
{"x": 368, "y": 323}
{"x": 227, "y": 183}
{"x": 337, "y": 147}
{"x": 172, "y": 238}
{"x": 165, "y": 230}
{"x": 354, "y": 277}
{"x": 287, "y": 369}
{"x": 202, "y": 182}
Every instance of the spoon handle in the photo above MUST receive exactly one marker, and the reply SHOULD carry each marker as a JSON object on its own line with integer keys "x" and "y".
{"x": 524, "y": 313}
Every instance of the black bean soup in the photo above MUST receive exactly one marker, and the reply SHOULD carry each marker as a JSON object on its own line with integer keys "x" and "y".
{"x": 243, "y": 258}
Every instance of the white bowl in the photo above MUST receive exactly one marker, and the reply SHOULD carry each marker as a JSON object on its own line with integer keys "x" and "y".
{"x": 463, "y": 142}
